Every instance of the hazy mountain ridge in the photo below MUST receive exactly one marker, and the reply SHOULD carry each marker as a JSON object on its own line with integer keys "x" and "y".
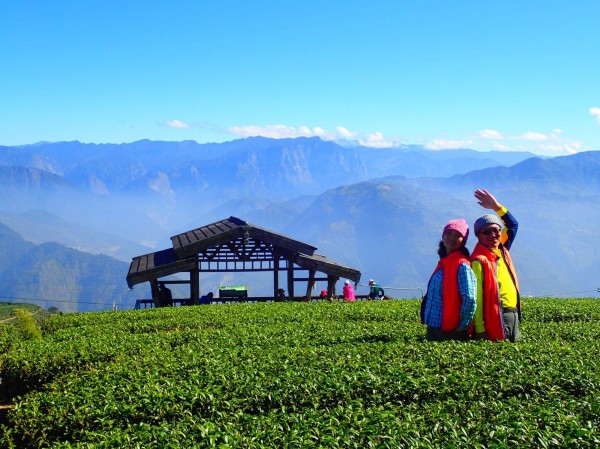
{"x": 297, "y": 161}
{"x": 555, "y": 202}
{"x": 556, "y": 249}
{"x": 379, "y": 210}
{"x": 51, "y": 274}
{"x": 578, "y": 173}
{"x": 40, "y": 226}
{"x": 156, "y": 186}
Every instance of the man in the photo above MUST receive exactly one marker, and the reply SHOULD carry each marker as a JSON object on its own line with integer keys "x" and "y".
{"x": 375, "y": 290}
{"x": 498, "y": 310}
{"x": 206, "y": 299}
{"x": 165, "y": 295}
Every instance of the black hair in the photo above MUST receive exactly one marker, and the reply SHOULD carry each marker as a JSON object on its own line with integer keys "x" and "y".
{"x": 443, "y": 253}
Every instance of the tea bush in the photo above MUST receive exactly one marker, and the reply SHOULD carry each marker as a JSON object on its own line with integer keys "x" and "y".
{"x": 346, "y": 375}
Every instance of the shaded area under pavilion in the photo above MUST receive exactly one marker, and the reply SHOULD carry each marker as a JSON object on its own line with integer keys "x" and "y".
{"x": 234, "y": 245}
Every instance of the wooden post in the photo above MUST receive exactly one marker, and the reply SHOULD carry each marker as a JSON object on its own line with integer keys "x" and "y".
{"x": 195, "y": 283}
{"x": 275, "y": 274}
{"x": 290, "y": 276}
{"x": 310, "y": 284}
{"x": 155, "y": 292}
{"x": 331, "y": 280}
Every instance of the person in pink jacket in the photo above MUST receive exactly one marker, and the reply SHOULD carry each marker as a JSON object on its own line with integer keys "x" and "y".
{"x": 348, "y": 292}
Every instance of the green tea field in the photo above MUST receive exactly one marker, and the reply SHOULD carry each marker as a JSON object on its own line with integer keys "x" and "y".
{"x": 301, "y": 375}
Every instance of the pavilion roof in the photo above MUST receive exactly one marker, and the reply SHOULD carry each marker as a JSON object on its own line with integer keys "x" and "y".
{"x": 226, "y": 236}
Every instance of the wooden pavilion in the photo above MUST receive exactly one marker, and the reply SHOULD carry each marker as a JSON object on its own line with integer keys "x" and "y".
{"x": 234, "y": 245}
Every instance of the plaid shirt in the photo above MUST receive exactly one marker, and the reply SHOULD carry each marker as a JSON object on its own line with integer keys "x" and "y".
{"x": 467, "y": 286}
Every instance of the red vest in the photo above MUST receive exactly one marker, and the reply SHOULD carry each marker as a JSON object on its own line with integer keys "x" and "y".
{"x": 492, "y": 307}
{"x": 451, "y": 299}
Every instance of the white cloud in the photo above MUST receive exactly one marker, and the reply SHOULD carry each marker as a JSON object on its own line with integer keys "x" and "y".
{"x": 326, "y": 135}
{"x": 345, "y": 133}
{"x": 551, "y": 143}
{"x": 595, "y": 112}
{"x": 490, "y": 134}
{"x": 176, "y": 124}
{"x": 535, "y": 137}
{"x": 273, "y": 131}
{"x": 441, "y": 144}
{"x": 376, "y": 140}
{"x": 559, "y": 148}
{"x": 302, "y": 131}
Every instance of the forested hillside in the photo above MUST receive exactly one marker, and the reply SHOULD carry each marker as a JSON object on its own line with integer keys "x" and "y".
{"x": 52, "y": 275}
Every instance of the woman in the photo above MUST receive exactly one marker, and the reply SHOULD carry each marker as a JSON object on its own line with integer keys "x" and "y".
{"x": 451, "y": 298}
{"x": 348, "y": 291}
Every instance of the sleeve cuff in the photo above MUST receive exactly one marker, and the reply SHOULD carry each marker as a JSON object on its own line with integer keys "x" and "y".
{"x": 502, "y": 211}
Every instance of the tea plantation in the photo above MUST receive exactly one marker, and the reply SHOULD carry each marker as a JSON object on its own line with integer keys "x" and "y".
{"x": 301, "y": 375}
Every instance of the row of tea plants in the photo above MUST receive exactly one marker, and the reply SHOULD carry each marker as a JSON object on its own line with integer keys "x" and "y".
{"x": 344, "y": 375}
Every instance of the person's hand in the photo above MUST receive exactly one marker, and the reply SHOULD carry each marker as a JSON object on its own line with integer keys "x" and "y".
{"x": 487, "y": 200}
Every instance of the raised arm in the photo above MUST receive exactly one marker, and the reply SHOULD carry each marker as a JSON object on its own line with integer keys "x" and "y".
{"x": 487, "y": 200}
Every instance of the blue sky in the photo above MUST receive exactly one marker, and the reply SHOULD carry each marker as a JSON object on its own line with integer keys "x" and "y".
{"x": 482, "y": 74}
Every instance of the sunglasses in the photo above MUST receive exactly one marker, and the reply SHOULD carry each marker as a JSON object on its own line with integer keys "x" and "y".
{"x": 490, "y": 231}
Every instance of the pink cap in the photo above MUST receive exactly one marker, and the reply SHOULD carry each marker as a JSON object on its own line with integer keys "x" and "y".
{"x": 459, "y": 225}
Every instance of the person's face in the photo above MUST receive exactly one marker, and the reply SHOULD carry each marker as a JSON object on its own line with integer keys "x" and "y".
{"x": 452, "y": 240}
{"x": 489, "y": 235}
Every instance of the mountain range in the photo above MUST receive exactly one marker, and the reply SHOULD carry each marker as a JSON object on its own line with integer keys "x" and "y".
{"x": 378, "y": 210}
{"x": 52, "y": 275}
